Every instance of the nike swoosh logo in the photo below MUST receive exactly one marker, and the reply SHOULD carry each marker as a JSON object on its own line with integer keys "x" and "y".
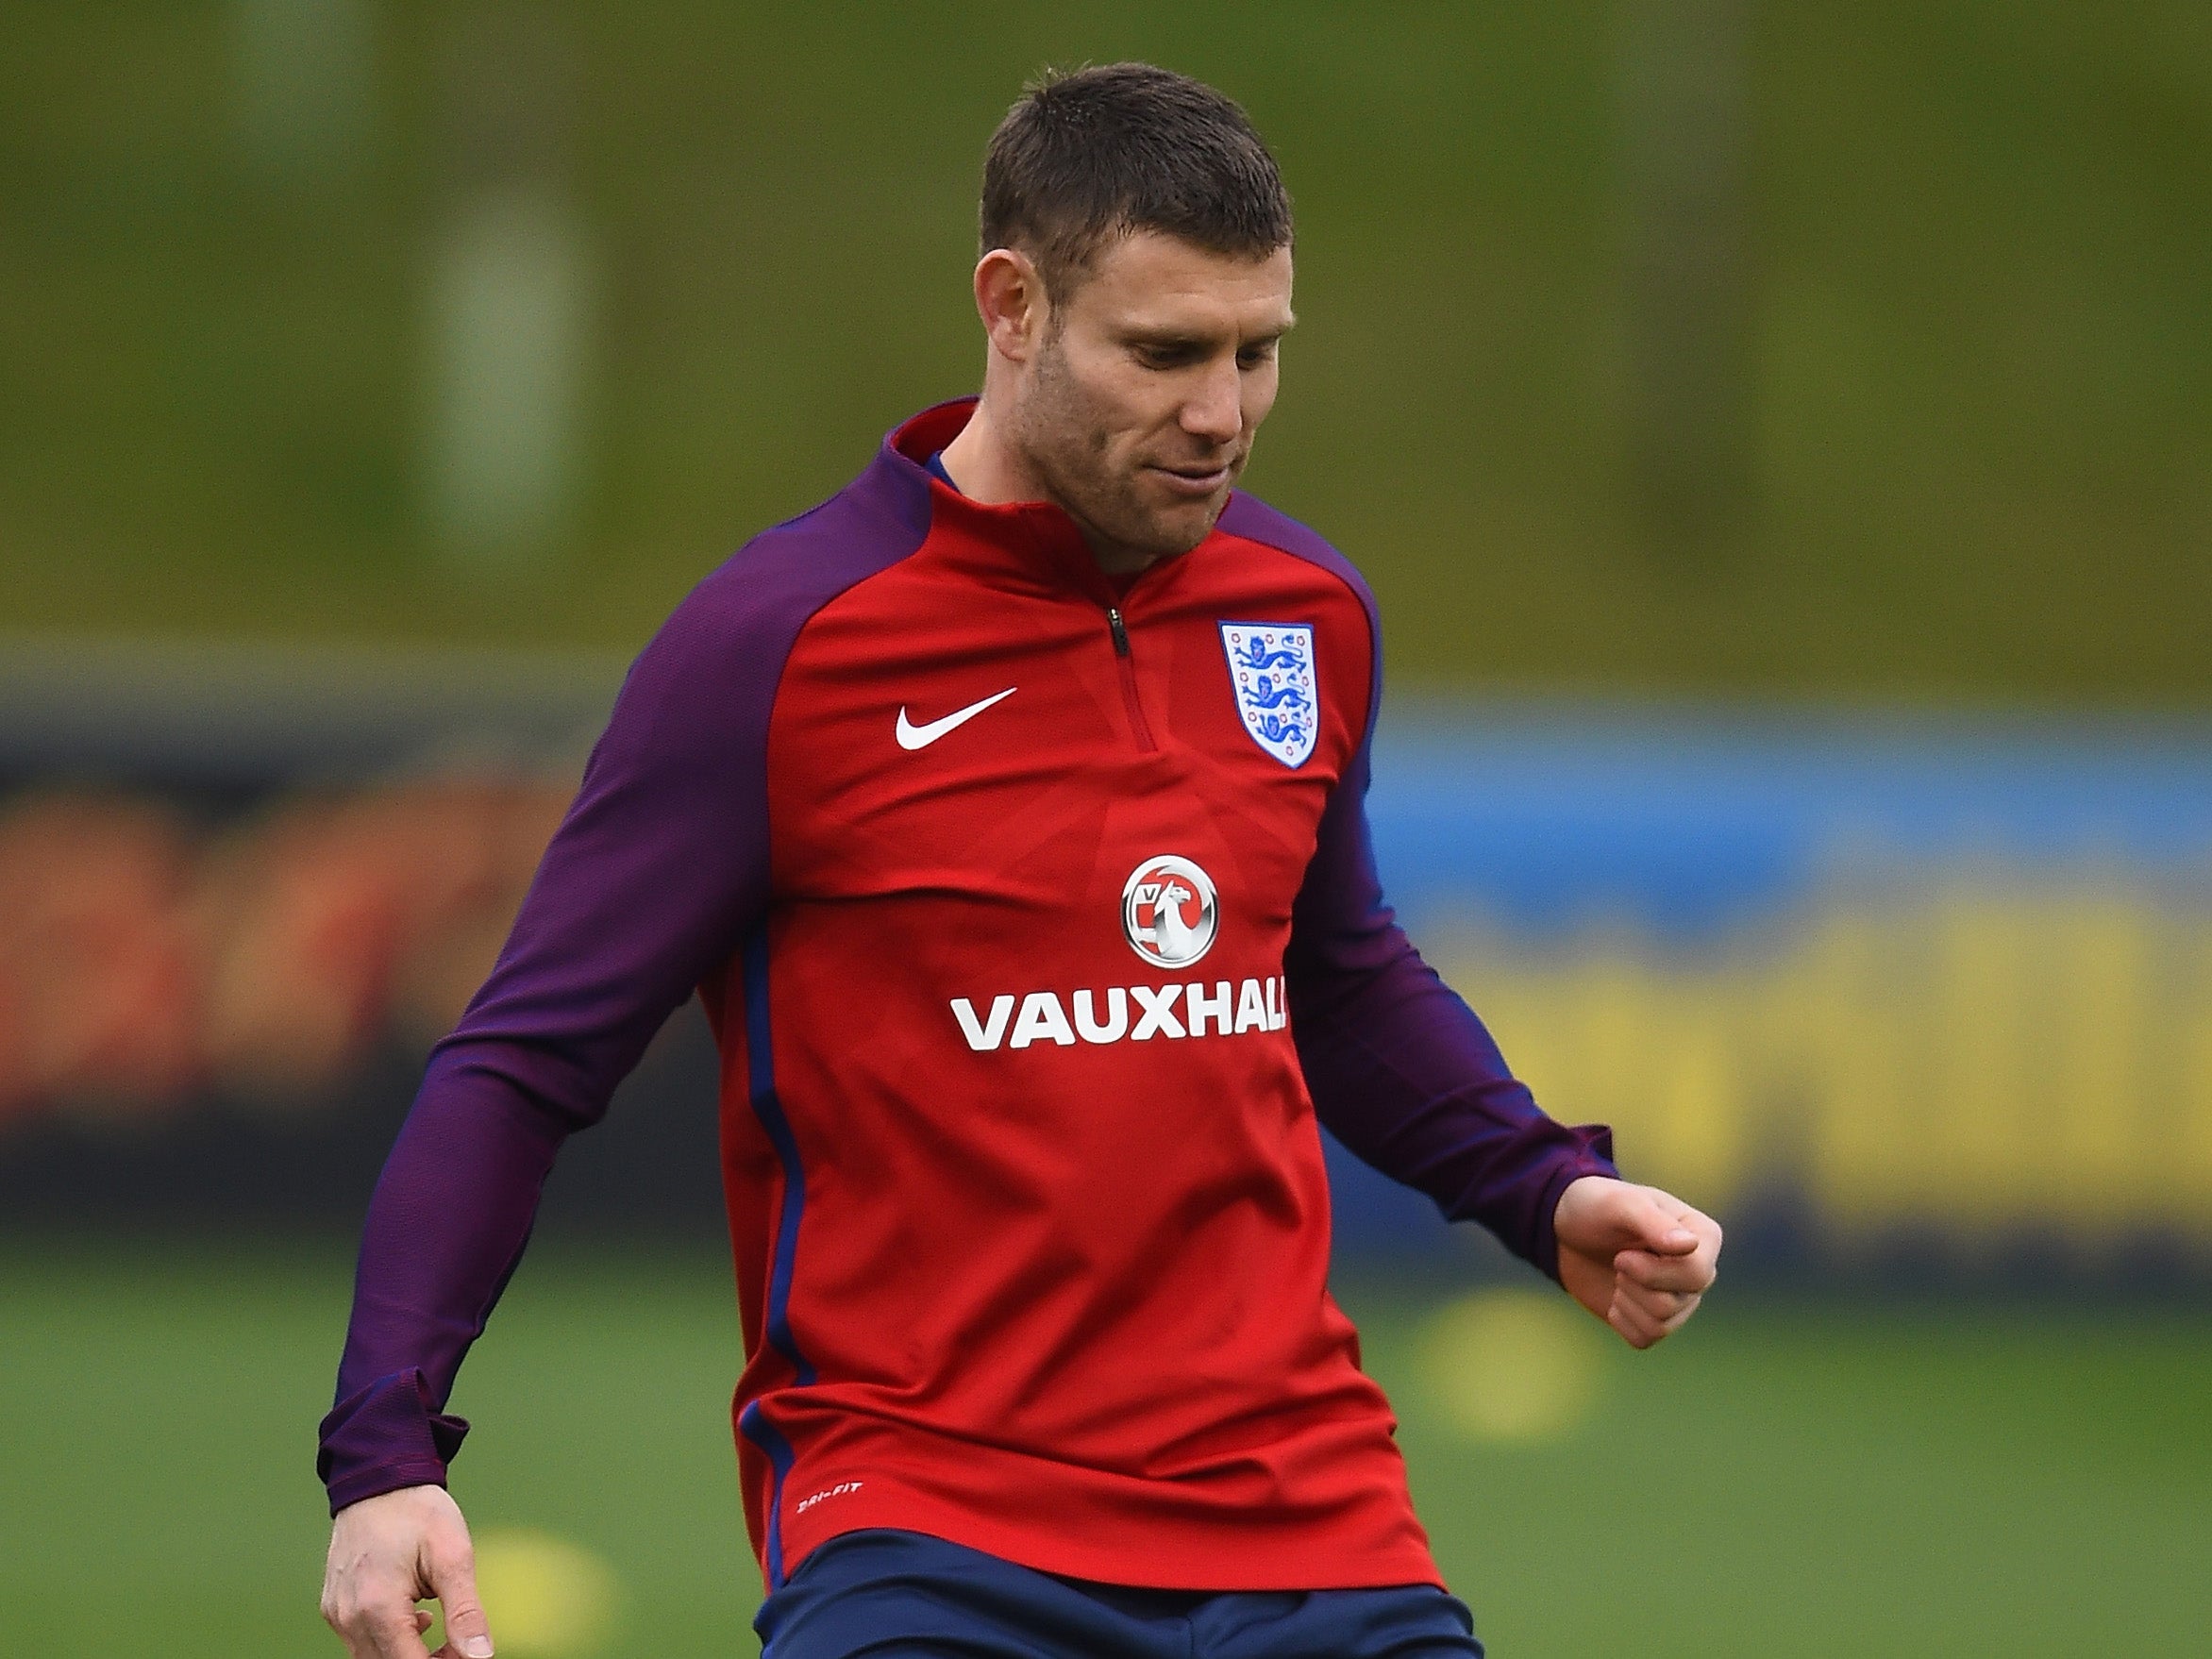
{"x": 920, "y": 737}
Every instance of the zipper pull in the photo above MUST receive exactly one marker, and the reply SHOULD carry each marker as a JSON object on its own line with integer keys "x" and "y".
{"x": 1120, "y": 631}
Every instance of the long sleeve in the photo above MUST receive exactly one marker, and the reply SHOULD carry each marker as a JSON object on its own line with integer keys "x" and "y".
{"x": 650, "y": 886}
{"x": 1401, "y": 1069}
{"x": 653, "y": 878}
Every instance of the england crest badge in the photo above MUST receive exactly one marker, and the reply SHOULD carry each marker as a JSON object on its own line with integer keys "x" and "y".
{"x": 1271, "y": 669}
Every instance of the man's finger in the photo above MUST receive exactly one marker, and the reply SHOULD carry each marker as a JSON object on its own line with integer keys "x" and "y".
{"x": 1675, "y": 1320}
{"x": 1635, "y": 1325}
{"x": 468, "y": 1633}
{"x": 1692, "y": 1273}
{"x": 393, "y": 1635}
{"x": 1660, "y": 1306}
{"x": 1643, "y": 1326}
{"x": 1651, "y": 1221}
{"x": 379, "y": 1622}
{"x": 1703, "y": 1228}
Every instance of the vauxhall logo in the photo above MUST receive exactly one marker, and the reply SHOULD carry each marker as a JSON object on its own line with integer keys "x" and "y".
{"x": 1169, "y": 915}
{"x": 1168, "y": 912}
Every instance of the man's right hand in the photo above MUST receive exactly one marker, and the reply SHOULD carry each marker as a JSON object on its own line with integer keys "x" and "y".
{"x": 387, "y": 1554}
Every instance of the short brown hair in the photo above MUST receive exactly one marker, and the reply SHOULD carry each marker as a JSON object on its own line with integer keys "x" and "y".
{"x": 1085, "y": 157}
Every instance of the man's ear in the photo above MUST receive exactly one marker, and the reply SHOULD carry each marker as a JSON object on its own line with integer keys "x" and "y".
{"x": 1009, "y": 298}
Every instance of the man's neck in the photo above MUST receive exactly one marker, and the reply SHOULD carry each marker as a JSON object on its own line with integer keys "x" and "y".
{"x": 991, "y": 470}
{"x": 986, "y": 468}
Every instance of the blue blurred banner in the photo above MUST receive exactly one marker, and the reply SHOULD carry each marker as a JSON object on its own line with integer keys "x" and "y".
{"x": 1883, "y": 980}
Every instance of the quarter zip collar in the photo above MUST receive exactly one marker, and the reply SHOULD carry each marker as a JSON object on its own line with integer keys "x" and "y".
{"x": 1047, "y": 543}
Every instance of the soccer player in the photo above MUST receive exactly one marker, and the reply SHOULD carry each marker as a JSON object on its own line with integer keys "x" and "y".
{"x": 1006, "y": 812}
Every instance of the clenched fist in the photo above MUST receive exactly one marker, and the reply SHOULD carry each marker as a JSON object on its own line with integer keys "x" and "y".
{"x": 1636, "y": 1257}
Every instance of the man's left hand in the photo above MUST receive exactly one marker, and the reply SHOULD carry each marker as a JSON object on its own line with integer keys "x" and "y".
{"x": 1636, "y": 1257}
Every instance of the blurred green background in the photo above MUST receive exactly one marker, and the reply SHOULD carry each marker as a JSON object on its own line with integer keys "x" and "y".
{"x": 1958, "y": 264}
{"x": 1659, "y": 349}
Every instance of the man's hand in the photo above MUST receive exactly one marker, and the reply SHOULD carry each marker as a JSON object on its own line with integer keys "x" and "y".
{"x": 1635, "y": 1256}
{"x": 391, "y": 1551}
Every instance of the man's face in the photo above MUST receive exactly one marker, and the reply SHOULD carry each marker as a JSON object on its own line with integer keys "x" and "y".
{"x": 1139, "y": 407}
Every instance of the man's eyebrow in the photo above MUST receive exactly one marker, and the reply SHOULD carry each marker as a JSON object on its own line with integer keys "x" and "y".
{"x": 1181, "y": 340}
{"x": 1167, "y": 339}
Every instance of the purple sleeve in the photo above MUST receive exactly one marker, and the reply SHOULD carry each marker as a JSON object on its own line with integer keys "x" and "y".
{"x": 659, "y": 867}
{"x": 650, "y": 886}
{"x": 1399, "y": 1068}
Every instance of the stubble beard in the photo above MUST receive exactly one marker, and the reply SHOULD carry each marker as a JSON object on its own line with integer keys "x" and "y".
{"x": 1065, "y": 438}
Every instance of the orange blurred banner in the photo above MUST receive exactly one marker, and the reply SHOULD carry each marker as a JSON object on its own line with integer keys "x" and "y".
{"x": 145, "y": 957}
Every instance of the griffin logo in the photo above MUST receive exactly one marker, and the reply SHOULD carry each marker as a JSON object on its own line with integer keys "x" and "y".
{"x": 1168, "y": 912}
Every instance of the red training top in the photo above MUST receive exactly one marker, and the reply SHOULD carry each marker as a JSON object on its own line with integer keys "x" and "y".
{"x": 1025, "y": 908}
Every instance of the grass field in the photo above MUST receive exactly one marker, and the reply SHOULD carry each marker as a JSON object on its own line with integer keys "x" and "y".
{"x": 1784, "y": 1480}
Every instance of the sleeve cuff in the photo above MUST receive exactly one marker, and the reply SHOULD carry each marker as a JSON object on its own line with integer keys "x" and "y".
{"x": 385, "y": 1437}
{"x": 1591, "y": 1154}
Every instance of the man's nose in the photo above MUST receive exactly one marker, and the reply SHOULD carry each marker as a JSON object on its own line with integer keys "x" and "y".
{"x": 1214, "y": 410}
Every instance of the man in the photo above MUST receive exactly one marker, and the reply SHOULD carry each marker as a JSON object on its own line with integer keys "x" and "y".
{"x": 1006, "y": 810}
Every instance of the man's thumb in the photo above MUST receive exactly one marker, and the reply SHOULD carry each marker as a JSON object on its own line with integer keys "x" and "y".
{"x": 1656, "y": 1227}
{"x": 468, "y": 1633}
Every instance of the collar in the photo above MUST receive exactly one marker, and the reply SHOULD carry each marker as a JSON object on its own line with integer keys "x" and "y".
{"x": 1041, "y": 533}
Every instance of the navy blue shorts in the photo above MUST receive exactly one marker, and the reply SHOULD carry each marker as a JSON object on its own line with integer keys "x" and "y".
{"x": 894, "y": 1595}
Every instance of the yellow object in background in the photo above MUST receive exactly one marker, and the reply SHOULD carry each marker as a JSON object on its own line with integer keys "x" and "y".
{"x": 1975, "y": 1051}
{"x": 1513, "y": 1366}
{"x": 546, "y": 1598}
